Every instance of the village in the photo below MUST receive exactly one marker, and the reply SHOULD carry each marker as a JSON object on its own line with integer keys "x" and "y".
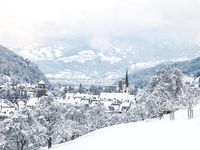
{"x": 116, "y": 98}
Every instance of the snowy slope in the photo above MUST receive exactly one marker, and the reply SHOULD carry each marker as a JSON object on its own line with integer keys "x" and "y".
{"x": 180, "y": 134}
{"x": 18, "y": 68}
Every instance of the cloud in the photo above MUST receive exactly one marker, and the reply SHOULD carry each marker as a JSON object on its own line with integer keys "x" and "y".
{"x": 24, "y": 22}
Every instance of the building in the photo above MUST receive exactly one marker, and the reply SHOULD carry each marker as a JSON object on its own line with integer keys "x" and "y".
{"x": 6, "y": 108}
{"x": 127, "y": 89}
{"x": 114, "y": 96}
{"x": 124, "y": 84}
{"x": 121, "y": 86}
{"x": 41, "y": 89}
{"x": 32, "y": 102}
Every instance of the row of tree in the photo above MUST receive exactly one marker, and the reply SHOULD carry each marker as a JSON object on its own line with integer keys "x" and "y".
{"x": 51, "y": 123}
{"x": 167, "y": 93}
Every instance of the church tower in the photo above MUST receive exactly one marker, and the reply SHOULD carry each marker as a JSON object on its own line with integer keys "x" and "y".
{"x": 126, "y": 89}
{"x": 126, "y": 79}
{"x": 41, "y": 89}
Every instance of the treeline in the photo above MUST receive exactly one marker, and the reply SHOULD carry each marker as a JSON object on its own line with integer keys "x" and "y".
{"x": 51, "y": 123}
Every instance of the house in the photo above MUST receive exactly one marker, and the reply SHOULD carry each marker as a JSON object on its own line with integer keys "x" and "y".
{"x": 121, "y": 85}
{"x": 6, "y": 107}
{"x": 72, "y": 99}
{"x": 125, "y": 106}
{"x": 114, "y": 107}
{"x": 69, "y": 96}
{"x": 119, "y": 107}
{"x": 32, "y": 102}
{"x": 61, "y": 100}
{"x": 191, "y": 81}
{"x": 115, "y": 96}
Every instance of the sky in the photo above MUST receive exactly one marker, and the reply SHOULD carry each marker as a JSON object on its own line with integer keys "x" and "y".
{"x": 98, "y": 22}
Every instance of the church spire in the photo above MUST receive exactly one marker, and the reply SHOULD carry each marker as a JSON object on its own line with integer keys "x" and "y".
{"x": 126, "y": 79}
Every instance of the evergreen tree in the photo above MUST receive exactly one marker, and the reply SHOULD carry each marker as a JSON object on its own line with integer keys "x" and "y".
{"x": 126, "y": 80}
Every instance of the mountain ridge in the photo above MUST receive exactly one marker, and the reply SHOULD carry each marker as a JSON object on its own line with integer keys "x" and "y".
{"x": 142, "y": 77}
{"x": 18, "y": 68}
{"x": 81, "y": 59}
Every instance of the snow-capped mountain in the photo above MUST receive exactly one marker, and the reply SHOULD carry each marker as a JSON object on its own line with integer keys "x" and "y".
{"x": 15, "y": 67}
{"x": 102, "y": 62}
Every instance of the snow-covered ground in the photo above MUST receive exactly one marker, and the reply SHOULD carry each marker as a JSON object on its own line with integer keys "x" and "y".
{"x": 179, "y": 134}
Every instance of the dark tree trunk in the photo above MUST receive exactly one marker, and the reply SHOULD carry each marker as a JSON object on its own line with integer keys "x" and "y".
{"x": 22, "y": 147}
{"x": 161, "y": 116}
{"x": 190, "y": 113}
{"x": 18, "y": 146}
{"x": 49, "y": 142}
{"x": 172, "y": 115}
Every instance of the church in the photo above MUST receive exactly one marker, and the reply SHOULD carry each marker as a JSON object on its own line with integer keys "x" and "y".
{"x": 124, "y": 84}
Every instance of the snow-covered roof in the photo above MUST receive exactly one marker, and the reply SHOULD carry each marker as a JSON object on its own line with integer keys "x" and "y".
{"x": 74, "y": 101}
{"x": 69, "y": 96}
{"x": 188, "y": 79}
{"x": 32, "y": 102}
{"x": 5, "y": 104}
{"x": 81, "y": 95}
{"x": 125, "y": 104}
{"x": 61, "y": 100}
{"x": 41, "y": 82}
{"x": 107, "y": 103}
{"x": 117, "y": 96}
{"x": 191, "y": 80}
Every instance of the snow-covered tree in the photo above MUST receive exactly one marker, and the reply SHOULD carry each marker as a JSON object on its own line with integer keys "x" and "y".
{"x": 72, "y": 123}
{"x": 20, "y": 131}
{"x": 18, "y": 68}
{"x": 97, "y": 117}
{"x": 165, "y": 91}
{"x": 140, "y": 109}
{"x": 48, "y": 114}
{"x": 71, "y": 130}
{"x": 191, "y": 96}
{"x": 94, "y": 117}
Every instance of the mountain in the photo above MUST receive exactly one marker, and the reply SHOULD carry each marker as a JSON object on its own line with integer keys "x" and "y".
{"x": 18, "y": 68}
{"x": 142, "y": 77}
{"x": 101, "y": 62}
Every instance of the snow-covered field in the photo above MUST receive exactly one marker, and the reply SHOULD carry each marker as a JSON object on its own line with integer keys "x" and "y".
{"x": 179, "y": 134}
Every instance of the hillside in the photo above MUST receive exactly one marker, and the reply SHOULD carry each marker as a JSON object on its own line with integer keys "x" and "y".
{"x": 179, "y": 134}
{"x": 18, "y": 68}
{"x": 142, "y": 77}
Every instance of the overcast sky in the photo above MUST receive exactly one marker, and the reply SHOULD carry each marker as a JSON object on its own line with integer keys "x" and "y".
{"x": 24, "y": 22}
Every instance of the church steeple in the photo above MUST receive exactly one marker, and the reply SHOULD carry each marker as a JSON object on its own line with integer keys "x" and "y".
{"x": 126, "y": 79}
